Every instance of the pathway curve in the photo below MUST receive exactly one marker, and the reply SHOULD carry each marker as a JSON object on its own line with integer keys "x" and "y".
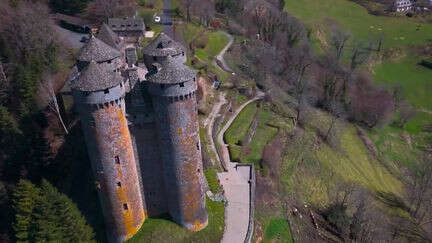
{"x": 209, "y": 123}
{"x": 237, "y": 187}
{"x": 235, "y": 180}
{"x": 220, "y": 57}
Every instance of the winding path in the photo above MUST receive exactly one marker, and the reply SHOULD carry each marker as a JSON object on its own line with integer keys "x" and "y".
{"x": 220, "y": 57}
{"x": 235, "y": 180}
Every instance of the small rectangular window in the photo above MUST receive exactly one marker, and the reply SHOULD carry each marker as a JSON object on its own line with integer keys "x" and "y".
{"x": 117, "y": 159}
{"x": 119, "y": 184}
{"x": 181, "y": 84}
{"x": 125, "y": 206}
{"x": 106, "y": 91}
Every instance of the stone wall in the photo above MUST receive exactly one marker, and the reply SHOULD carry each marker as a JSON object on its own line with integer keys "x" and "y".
{"x": 177, "y": 122}
{"x": 113, "y": 161}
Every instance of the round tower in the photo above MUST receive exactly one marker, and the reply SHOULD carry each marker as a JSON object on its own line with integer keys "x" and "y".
{"x": 99, "y": 92}
{"x": 173, "y": 87}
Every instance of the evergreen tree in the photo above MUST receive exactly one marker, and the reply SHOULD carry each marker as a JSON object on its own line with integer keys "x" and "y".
{"x": 46, "y": 215}
{"x": 25, "y": 198}
{"x": 69, "y": 6}
{"x": 9, "y": 130}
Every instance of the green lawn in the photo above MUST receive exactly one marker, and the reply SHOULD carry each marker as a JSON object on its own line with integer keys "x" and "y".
{"x": 216, "y": 42}
{"x": 212, "y": 180}
{"x": 265, "y": 131}
{"x": 416, "y": 83}
{"x": 166, "y": 231}
{"x": 396, "y": 31}
{"x": 277, "y": 230}
{"x": 241, "y": 124}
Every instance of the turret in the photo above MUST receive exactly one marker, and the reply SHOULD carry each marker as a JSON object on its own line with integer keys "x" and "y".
{"x": 162, "y": 47}
{"x": 99, "y": 91}
{"x": 172, "y": 86}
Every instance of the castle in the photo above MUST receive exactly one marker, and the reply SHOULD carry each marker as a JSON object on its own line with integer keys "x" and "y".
{"x": 139, "y": 119}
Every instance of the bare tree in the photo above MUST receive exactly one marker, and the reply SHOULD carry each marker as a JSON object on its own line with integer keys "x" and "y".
{"x": 339, "y": 40}
{"x": 51, "y": 99}
{"x": 4, "y": 83}
{"x": 205, "y": 10}
{"x": 27, "y": 27}
{"x": 102, "y": 9}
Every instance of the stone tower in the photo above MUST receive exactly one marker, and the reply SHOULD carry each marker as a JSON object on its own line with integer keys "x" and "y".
{"x": 172, "y": 87}
{"x": 99, "y": 90}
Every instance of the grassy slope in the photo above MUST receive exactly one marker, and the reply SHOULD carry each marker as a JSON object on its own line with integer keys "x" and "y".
{"x": 277, "y": 230}
{"x": 216, "y": 42}
{"x": 252, "y": 153}
{"x": 416, "y": 83}
{"x": 415, "y": 80}
{"x": 362, "y": 25}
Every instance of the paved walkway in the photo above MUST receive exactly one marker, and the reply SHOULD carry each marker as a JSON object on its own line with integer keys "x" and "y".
{"x": 209, "y": 123}
{"x": 235, "y": 181}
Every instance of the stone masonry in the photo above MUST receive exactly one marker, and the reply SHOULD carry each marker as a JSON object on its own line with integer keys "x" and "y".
{"x": 140, "y": 124}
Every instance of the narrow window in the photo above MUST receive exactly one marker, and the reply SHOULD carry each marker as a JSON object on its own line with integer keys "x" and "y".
{"x": 119, "y": 184}
{"x": 125, "y": 206}
{"x": 106, "y": 91}
{"x": 181, "y": 84}
{"x": 154, "y": 58}
{"x": 121, "y": 84}
{"x": 198, "y": 147}
{"x": 182, "y": 53}
{"x": 117, "y": 159}
{"x": 198, "y": 170}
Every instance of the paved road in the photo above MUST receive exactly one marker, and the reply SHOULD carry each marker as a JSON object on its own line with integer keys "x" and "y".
{"x": 220, "y": 56}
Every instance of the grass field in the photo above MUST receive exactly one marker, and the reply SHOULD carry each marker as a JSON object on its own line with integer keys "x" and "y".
{"x": 266, "y": 130}
{"x": 216, "y": 42}
{"x": 241, "y": 124}
{"x": 166, "y": 231}
{"x": 416, "y": 83}
{"x": 396, "y": 31}
{"x": 277, "y": 230}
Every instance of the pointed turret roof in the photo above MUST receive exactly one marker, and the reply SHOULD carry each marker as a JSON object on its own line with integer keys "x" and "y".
{"x": 172, "y": 72}
{"x": 107, "y": 35}
{"x": 97, "y": 76}
{"x": 163, "y": 45}
{"x": 97, "y": 51}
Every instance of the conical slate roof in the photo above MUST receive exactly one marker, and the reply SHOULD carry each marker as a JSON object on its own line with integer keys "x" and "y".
{"x": 97, "y": 76}
{"x": 97, "y": 51}
{"x": 107, "y": 35}
{"x": 163, "y": 45}
{"x": 172, "y": 72}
